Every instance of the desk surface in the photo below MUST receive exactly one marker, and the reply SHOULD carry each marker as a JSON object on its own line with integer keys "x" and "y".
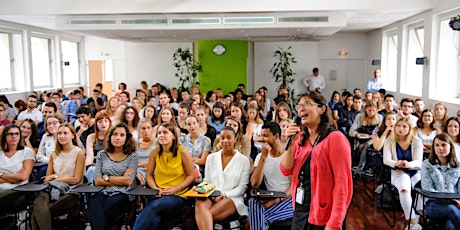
{"x": 140, "y": 191}
{"x": 87, "y": 188}
{"x": 34, "y": 186}
{"x": 438, "y": 195}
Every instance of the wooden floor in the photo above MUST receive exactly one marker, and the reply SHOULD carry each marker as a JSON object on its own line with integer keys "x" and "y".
{"x": 363, "y": 212}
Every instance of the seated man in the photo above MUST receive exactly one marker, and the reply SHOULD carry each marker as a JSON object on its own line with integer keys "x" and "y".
{"x": 264, "y": 212}
{"x": 86, "y": 124}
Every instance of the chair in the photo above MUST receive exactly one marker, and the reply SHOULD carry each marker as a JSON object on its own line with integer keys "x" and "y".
{"x": 31, "y": 190}
{"x": 85, "y": 189}
{"x": 388, "y": 198}
{"x": 428, "y": 222}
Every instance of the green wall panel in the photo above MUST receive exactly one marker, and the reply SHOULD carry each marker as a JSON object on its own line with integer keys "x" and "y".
{"x": 225, "y": 71}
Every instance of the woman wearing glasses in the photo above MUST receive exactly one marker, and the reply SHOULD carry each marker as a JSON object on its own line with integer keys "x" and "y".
{"x": 47, "y": 144}
{"x": 319, "y": 161}
{"x": 16, "y": 162}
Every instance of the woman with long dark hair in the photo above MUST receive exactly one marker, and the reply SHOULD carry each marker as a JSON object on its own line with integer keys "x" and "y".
{"x": 319, "y": 161}
{"x": 116, "y": 168}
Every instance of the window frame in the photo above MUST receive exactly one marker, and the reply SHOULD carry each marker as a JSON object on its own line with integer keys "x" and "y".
{"x": 386, "y": 39}
{"x": 407, "y": 60}
{"x": 80, "y": 58}
{"x": 52, "y": 60}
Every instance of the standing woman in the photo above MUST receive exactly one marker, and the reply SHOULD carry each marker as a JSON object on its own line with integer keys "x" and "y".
{"x": 453, "y": 129}
{"x": 47, "y": 144}
{"x": 29, "y": 134}
{"x": 404, "y": 153}
{"x": 116, "y": 167}
{"x": 16, "y": 162}
{"x": 441, "y": 173}
{"x": 440, "y": 114}
{"x": 203, "y": 127}
{"x": 426, "y": 129}
{"x": 228, "y": 170}
{"x": 319, "y": 161}
{"x": 94, "y": 142}
{"x": 171, "y": 172}
{"x": 198, "y": 145}
{"x": 66, "y": 165}
{"x": 144, "y": 147}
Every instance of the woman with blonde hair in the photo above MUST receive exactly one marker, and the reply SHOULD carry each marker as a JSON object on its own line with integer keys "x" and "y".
{"x": 111, "y": 107}
{"x": 378, "y": 101}
{"x": 440, "y": 114}
{"x": 66, "y": 165}
{"x": 403, "y": 152}
{"x": 365, "y": 123}
{"x": 282, "y": 111}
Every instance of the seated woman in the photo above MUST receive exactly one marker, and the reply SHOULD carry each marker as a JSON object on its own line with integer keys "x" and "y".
{"x": 426, "y": 129}
{"x": 197, "y": 144}
{"x": 47, "y": 144}
{"x": 228, "y": 170}
{"x": 66, "y": 165}
{"x": 143, "y": 147}
{"x": 243, "y": 142}
{"x": 16, "y": 162}
{"x": 94, "y": 142}
{"x": 116, "y": 168}
{"x": 441, "y": 173}
{"x": 453, "y": 129}
{"x": 404, "y": 153}
{"x": 170, "y": 171}
{"x": 29, "y": 134}
{"x": 365, "y": 123}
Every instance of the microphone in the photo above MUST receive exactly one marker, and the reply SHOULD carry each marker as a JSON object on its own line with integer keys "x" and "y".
{"x": 290, "y": 138}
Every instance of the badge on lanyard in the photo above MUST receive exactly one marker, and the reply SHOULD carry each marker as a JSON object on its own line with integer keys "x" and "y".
{"x": 299, "y": 196}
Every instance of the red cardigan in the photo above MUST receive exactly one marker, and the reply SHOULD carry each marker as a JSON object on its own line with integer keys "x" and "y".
{"x": 331, "y": 180}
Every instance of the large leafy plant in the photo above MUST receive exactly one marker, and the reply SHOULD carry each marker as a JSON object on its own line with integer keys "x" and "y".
{"x": 187, "y": 68}
{"x": 281, "y": 69}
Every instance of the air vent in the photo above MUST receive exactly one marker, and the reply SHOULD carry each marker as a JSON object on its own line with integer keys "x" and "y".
{"x": 146, "y": 21}
{"x": 249, "y": 20}
{"x": 196, "y": 21}
{"x": 304, "y": 19}
{"x": 92, "y": 21}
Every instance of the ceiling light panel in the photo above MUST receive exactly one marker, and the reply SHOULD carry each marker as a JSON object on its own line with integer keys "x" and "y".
{"x": 196, "y": 21}
{"x": 249, "y": 20}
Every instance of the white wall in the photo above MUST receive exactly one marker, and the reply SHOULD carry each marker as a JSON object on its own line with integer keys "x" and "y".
{"x": 375, "y": 45}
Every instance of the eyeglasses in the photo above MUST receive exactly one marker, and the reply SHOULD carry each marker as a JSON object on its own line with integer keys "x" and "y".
{"x": 12, "y": 134}
{"x": 305, "y": 105}
{"x": 52, "y": 123}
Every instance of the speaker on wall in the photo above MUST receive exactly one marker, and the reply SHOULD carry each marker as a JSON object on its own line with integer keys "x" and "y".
{"x": 420, "y": 61}
{"x": 376, "y": 62}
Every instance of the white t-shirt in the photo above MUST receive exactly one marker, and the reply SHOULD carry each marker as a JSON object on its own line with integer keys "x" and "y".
{"x": 274, "y": 180}
{"x": 15, "y": 164}
{"x": 35, "y": 115}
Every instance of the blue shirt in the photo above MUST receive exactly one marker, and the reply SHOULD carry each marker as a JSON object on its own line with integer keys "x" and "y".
{"x": 196, "y": 149}
{"x": 405, "y": 155}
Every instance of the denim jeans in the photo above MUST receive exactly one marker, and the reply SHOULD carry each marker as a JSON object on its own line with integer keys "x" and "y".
{"x": 150, "y": 217}
{"x": 442, "y": 210}
{"x": 103, "y": 208}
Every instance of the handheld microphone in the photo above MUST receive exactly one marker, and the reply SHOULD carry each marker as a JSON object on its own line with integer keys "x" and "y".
{"x": 290, "y": 138}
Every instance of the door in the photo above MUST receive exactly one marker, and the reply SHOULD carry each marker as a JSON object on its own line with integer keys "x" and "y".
{"x": 100, "y": 71}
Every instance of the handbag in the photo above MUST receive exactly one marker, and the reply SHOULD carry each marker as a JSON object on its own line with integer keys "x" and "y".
{"x": 388, "y": 199}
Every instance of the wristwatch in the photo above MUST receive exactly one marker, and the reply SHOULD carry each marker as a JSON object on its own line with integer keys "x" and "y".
{"x": 55, "y": 176}
{"x": 106, "y": 178}
{"x": 1, "y": 173}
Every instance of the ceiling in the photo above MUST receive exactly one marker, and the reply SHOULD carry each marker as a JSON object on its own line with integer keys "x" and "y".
{"x": 191, "y": 20}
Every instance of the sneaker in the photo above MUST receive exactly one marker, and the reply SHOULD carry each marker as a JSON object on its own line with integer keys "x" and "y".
{"x": 414, "y": 227}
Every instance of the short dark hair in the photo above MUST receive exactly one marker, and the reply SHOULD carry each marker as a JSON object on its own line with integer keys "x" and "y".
{"x": 406, "y": 99}
{"x": 388, "y": 95}
{"x": 76, "y": 92}
{"x": 273, "y": 127}
{"x": 241, "y": 84}
{"x": 83, "y": 110}
{"x": 382, "y": 91}
{"x": 32, "y": 96}
{"x": 315, "y": 70}
{"x": 52, "y": 105}
{"x": 99, "y": 85}
{"x": 358, "y": 97}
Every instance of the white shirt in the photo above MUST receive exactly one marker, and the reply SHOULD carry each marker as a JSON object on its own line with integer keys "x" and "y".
{"x": 35, "y": 115}
{"x": 15, "y": 164}
{"x": 274, "y": 180}
{"x": 314, "y": 82}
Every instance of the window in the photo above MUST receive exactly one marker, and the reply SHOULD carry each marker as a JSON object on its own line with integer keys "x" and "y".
{"x": 5, "y": 63}
{"x": 390, "y": 60}
{"x": 412, "y": 79}
{"x": 446, "y": 79}
{"x": 70, "y": 62}
{"x": 42, "y": 62}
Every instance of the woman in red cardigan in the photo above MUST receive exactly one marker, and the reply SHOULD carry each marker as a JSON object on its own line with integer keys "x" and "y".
{"x": 319, "y": 160}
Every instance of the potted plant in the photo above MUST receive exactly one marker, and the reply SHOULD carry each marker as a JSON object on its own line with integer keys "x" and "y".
{"x": 281, "y": 69}
{"x": 187, "y": 68}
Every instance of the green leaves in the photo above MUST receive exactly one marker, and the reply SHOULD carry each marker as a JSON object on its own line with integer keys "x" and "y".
{"x": 281, "y": 69}
{"x": 187, "y": 68}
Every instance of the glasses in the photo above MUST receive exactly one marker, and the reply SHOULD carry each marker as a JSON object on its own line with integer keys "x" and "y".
{"x": 12, "y": 134}
{"x": 52, "y": 123}
{"x": 305, "y": 105}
